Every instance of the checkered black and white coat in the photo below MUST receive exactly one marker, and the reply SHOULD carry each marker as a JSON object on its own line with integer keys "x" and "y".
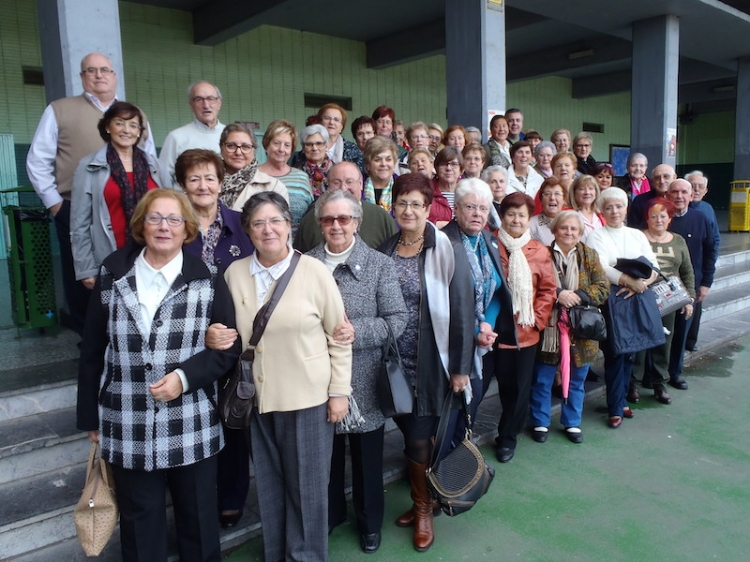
{"x": 119, "y": 361}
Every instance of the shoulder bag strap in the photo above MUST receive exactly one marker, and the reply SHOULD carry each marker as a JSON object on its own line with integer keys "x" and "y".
{"x": 445, "y": 415}
{"x": 261, "y": 318}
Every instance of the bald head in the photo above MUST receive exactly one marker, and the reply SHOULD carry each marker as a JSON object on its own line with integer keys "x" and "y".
{"x": 680, "y": 193}
{"x": 661, "y": 177}
{"x": 98, "y": 77}
{"x": 346, "y": 175}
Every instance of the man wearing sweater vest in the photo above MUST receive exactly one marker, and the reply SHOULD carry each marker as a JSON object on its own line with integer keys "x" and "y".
{"x": 66, "y": 133}
{"x": 202, "y": 132}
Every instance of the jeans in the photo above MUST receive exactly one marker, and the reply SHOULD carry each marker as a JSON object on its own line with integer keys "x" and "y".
{"x": 541, "y": 395}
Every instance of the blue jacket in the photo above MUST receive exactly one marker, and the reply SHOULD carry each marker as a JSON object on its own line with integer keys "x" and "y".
{"x": 234, "y": 243}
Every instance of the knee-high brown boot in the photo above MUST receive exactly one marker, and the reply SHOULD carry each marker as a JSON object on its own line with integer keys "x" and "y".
{"x": 420, "y": 495}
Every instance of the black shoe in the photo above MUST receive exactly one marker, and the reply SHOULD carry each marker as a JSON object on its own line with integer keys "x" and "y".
{"x": 370, "y": 542}
{"x": 661, "y": 396}
{"x": 691, "y": 348}
{"x": 332, "y": 526}
{"x": 679, "y": 383}
{"x": 633, "y": 395}
{"x": 504, "y": 454}
{"x": 229, "y": 520}
{"x": 539, "y": 435}
{"x": 574, "y": 436}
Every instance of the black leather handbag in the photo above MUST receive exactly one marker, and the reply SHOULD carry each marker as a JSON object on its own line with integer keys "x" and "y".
{"x": 587, "y": 322}
{"x": 461, "y": 477}
{"x": 237, "y": 394}
{"x": 395, "y": 394}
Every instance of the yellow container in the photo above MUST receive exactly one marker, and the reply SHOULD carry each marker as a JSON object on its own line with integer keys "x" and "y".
{"x": 739, "y": 206}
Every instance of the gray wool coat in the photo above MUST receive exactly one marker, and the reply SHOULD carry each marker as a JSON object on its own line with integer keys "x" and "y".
{"x": 372, "y": 299}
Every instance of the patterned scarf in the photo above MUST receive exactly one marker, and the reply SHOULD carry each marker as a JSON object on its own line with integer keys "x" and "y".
{"x": 566, "y": 277}
{"x": 519, "y": 276}
{"x": 318, "y": 175}
{"x": 235, "y": 184}
{"x": 481, "y": 271}
{"x": 130, "y": 193}
{"x": 385, "y": 195}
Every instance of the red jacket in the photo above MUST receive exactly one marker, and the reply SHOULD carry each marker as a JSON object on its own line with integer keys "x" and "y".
{"x": 545, "y": 289}
{"x": 440, "y": 210}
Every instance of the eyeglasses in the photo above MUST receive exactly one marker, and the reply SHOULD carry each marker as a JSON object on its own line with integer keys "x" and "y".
{"x": 210, "y": 99}
{"x": 471, "y": 207}
{"x": 154, "y": 219}
{"x": 362, "y": 134}
{"x": 419, "y": 137}
{"x": 233, "y": 147}
{"x": 450, "y": 165}
{"x": 403, "y": 205}
{"x": 582, "y": 146}
{"x": 93, "y": 71}
{"x": 260, "y": 225}
{"x": 343, "y": 220}
{"x": 317, "y": 144}
{"x": 549, "y": 194}
{"x": 332, "y": 119}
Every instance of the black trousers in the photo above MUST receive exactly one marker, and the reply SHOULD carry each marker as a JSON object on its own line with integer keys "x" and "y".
{"x": 514, "y": 370}
{"x": 141, "y": 498}
{"x": 366, "y": 450}
{"x": 234, "y": 470}
{"x": 76, "y": 295}
{"x": 692, "y": 336}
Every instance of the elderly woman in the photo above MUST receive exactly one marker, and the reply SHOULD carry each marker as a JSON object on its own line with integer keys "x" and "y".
{"x": 455, "y": 136}
{"x": 313, "y": 159}
{"x": 583, "y": 143}
{"x": 473, "y": 135}
{"x": 543, "y": 154}
{"x": 449, "y": 165}
{"x": 363, "y": 129}
{"x": 580, "y": 280}
{"x": 107, "y": 185}
{"x": 522, "y": 177}
{"x": 604, "y": 174}
{"x": 613, "y": 241}
{"x": 149, "y": 398}
{"x": 436, "y": 137}
{"x": 381, "y": 156}
{"x": 399, "y": 134}
{"x": 420, "y": 161}
{"x": 437, "y": 346}
{"x": 279, "y": 141}
{"x": 497, "y": 178}
{"x": 674, "y": 259}
{"x": 333, "y": 117}
{"x": 561, "y": 139}
{"x": 243, "y": 179}
{"x": 533, "y": 138}
{"x": 474, "y": 159}
{"x": 418, "y": 138}
{"x": 374, "y": 306}
{"x": 635, "y": 182}
{"x": 498, "y": 147}
{"x": 582, "y": 197}
{"x": 220, "y": 241}
{"x": 300, "y": 395}
{"x": 553, "y": 197}
{"x": 564, "y": 169}
{"x": 384, "y": 118}
{"x": 528, "y": 269}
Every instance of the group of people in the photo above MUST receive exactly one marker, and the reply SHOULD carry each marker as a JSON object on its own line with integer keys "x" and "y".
{"x": 469, "y": 256}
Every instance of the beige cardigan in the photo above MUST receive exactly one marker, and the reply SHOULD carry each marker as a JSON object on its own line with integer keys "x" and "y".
{"x": 297, "y": 364}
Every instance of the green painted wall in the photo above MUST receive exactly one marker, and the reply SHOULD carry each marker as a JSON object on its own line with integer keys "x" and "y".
{"x": 709, "y": 139}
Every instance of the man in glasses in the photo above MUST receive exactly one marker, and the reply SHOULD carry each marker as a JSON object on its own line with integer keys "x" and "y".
{"x": 376, "y": 225}
{"x": 204, "y": 131}
{"x": 66, "y": 133}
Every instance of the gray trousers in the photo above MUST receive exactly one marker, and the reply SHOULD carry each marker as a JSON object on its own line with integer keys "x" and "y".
{"x": 292, "y": 460}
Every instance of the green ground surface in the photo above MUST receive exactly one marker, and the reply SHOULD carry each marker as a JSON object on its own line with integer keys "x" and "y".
{"x": 671, "y": 484}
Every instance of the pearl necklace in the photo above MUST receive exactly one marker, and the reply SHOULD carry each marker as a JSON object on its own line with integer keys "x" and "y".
{"x": 405, "y": 243}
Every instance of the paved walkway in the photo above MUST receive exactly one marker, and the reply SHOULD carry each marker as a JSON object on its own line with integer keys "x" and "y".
{"x": 671, "y": 484}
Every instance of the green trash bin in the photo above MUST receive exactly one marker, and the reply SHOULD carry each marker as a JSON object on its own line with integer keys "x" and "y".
{"x": 32, "y": 280}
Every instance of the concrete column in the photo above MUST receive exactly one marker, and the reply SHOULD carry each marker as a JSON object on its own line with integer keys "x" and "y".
{"x": 71, "y": 29}
{"x": 475, "y": 60}
{"x": 653, "y": 117}
{"x": 742, "y": 121}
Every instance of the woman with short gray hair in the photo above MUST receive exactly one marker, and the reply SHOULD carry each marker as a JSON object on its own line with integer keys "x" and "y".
{"x": 314, "y": 160}
{"x": 543, "y": 154}
{"x": 635, "y": 182}
{"x": 374, "y": 307}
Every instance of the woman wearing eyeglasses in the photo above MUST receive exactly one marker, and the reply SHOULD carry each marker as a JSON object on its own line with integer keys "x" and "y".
{"x": 449, "y": 165}
{"x": 314, "y": 160}
{"x": 107, "y": 185}
{"x": 437, "y": 346}
{"x": 147, "y": 387}
{"x": 381, "y": 156}
{"x": 373, "y": 303}
{"x": 333, "y": 117}
{"x": 243, "y": 179}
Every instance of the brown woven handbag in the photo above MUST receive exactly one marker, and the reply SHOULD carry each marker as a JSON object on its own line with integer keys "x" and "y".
{"x": 96, "y": 513}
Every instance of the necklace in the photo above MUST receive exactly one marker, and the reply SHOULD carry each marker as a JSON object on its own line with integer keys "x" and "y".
{"x": 404, "y": 243}
{"x": 659, "y": 239}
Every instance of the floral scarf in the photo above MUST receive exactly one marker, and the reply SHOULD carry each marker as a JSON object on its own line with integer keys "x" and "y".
{"x": 481, "y": 271}
{"x": 318, "y": 175}
{"x": 236, "y": 183}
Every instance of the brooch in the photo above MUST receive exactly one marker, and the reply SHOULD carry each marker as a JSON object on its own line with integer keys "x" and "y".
{"x": 234, "y": 250}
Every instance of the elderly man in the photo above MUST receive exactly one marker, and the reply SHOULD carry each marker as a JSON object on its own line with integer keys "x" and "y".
{"x": 377, "y": 225}
{"x": 66, "y": 133}
{"x": 700, "y": 189}
{"x": 202, "y": 132}
{"x": 515, "y": 124}
{"x": 661, "y": 177}
{"x": 696, "y": 229}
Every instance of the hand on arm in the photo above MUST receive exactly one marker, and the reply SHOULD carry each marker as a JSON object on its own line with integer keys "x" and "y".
{"x": 338, "y": 407}
{"x": 219, "y": 337}
{"x": 167, "y": 388}
{"x": 486, "y": 336}
{"x": 343, "y": 333}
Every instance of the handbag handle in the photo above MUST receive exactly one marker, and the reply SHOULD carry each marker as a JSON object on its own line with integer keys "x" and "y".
{"x": 92, "y": 458}
{"x": 264, "y": 313}
{"x": 445, "y": 414}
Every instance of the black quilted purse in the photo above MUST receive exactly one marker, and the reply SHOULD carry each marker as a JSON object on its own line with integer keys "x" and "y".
{"x": 459, "y": 479}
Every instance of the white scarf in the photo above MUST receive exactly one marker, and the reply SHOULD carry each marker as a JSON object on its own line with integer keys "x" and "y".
{"x": 519, "y": 276}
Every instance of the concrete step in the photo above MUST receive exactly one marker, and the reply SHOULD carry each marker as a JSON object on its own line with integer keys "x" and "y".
{"x": 39, "y": 399}
{"x": 731, "y": 275}
{"x": 720, "y": 303}
{"x": 40, "y": 443}
{"x": 733, "y": 258}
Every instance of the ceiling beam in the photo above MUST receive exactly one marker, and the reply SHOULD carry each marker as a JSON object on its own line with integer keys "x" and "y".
{"x": 602, "y": 84}
{"x": 406, "y": 46}
{"x": 220, "y": 20}
{"x": 709, "y": 91}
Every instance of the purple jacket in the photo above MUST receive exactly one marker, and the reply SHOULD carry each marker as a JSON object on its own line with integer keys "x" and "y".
{"x": 234, "y": 243}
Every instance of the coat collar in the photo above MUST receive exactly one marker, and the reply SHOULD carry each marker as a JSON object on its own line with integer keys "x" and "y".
{"x": 121, "y": 262}
{"x": 357, "y": 261}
